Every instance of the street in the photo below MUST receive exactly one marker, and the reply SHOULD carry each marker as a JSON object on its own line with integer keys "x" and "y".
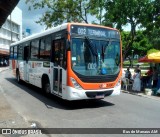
{"x": 32, "y": 106}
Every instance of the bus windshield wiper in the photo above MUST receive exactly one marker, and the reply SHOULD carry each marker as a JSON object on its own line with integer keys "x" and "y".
{"x": 104, "y": 47}
{"x": 91, "y": 46}
{"x": 102, "y": 53}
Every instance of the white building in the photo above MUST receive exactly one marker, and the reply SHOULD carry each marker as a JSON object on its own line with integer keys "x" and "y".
{"x": 11, "y": 31}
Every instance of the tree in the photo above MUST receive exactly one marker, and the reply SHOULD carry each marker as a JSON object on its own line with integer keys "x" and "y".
{"x": 140, "y": 45}
{"x": 123, "y": 12}
{"x": 59, "y": 11}
{"x": 151, "y": 23}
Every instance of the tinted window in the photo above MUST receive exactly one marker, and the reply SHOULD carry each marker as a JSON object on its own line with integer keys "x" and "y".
{"x": 15, "y": 52}
{"x": 11, "y": 52}
{"x": 45, "y": 48}
{"x": 20, "y": 52}
{"x": 34, "y": 49}
{"x": 95, "y": 57}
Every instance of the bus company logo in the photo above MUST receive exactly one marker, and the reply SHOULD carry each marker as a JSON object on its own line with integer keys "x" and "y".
{"x": 6, "y": 131}
{"x": 104, "y": 85}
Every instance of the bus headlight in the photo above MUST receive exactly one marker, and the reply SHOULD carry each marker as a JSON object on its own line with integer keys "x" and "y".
{"x": 118, "y": 83}
{"x": 75, "y": 84}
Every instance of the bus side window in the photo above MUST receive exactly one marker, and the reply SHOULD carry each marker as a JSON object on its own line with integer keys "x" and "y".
{"x": 59, "y": 54}
{"x": 11, "y": 52}
{"x": 15, "y": 52}
{"x": 45, "y": 48}
{"x": 56, "y": 53}
{"x": 35, "y": 49}
{"x": 20, "y": 51}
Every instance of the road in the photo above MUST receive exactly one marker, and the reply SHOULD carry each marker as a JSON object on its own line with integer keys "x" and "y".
{"x": 124, "y": 111}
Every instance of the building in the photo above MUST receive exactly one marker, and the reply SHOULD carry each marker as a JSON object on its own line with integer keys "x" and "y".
{"x": 11, "y": 31}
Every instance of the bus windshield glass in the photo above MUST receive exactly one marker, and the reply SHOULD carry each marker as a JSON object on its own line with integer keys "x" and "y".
{"x": 95, "y": 57}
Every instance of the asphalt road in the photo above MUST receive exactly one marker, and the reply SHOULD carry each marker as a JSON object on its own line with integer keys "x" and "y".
{"x": 124, "y": 111}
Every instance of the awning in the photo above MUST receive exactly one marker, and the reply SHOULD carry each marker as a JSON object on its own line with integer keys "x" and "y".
{"x": 145, "y": 59}
{"x": 4, "y": 52}
{"x": 155, "y": 55}
{"x": 6, "y": 7}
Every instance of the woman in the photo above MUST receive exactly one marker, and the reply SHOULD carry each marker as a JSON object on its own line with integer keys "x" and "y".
{"x": 137, "y": 81}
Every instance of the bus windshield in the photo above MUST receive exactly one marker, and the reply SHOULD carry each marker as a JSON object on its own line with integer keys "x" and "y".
{"x": 93, "y": 57}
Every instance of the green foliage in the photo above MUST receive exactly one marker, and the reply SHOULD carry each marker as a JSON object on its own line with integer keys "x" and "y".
{"x": 133, "y": 12}
{"x": 116, "y": 13}
{"x": 152, "y": 51}
{"x": 140, "y": 45}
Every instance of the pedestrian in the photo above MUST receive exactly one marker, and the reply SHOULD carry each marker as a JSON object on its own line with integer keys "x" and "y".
{"x": 155, "y": 77}
{"x": 136, "y": 81}
{"x": 128, "y": 73}
{"x": 138, "y": 68}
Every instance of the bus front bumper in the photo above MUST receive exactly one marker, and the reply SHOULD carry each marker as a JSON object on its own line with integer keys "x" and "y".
{"x": 75, "y": 94}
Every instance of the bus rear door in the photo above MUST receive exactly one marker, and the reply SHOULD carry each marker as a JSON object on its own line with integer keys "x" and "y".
{"x": 26, "y": 66}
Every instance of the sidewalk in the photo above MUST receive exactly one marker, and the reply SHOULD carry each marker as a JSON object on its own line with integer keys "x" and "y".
{"x": 142, "y": 95}
{"x": 3, "y": 68}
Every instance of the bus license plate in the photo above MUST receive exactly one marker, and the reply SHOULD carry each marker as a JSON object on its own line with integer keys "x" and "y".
{"x": 99, "y": 96}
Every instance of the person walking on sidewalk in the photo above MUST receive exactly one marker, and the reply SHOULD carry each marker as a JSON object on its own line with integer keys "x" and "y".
{"x": 137, "y": 81}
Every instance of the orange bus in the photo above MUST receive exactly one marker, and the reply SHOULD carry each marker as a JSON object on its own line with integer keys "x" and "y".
{"x": 73, "y": 61}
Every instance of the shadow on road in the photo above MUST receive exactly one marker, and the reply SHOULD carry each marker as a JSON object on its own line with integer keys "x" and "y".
{"x": 52, "y": 101}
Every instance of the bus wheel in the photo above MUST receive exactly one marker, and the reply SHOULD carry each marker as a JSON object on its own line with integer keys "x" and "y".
{"x": 18, "y": 77}
{"x": 47, "y": 88}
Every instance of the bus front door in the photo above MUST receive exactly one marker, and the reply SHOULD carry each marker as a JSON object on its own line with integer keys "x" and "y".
{"x": 26, "y": 66}
{"x": 57, "y": 67}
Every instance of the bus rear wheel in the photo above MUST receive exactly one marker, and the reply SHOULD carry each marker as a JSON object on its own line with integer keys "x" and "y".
{"x": 46, "y": 87}
{"x": 18, "y": 77}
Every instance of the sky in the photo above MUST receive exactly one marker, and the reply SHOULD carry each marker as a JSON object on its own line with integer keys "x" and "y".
{"x": 29, "y": 18}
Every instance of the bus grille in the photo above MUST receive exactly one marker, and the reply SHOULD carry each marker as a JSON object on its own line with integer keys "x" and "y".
{"x": 92, "y": 94}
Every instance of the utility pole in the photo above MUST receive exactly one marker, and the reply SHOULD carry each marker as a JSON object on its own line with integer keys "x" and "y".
{"x": 132, "y": 58}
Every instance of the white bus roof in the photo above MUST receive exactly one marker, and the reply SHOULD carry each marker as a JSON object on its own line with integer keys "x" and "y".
{"x": 55, "y": 29}
{"x": 37, "y": 35}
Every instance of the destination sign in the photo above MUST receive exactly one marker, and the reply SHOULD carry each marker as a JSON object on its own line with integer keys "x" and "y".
{"x": 94, "y": 31}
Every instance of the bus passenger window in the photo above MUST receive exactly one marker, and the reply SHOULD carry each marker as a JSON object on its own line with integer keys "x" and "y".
{"x": 56, "y": 54}
{"x": 11, "y": 52}
{"x": 20, "y": 52}
{"x": 15, "y": 52}
{"x": 34, "y": 49}
{"x": 45, "y": 48}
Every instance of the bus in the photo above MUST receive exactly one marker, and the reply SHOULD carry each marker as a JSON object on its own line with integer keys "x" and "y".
{"x": 73, "y": 61}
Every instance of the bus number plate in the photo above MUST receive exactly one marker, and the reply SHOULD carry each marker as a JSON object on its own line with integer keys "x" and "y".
{"x": 99, "y": 96}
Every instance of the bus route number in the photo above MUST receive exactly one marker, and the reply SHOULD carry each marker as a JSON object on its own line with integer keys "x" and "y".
{"x": 81, "y": 31}
{"x": 92, "y": 65}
